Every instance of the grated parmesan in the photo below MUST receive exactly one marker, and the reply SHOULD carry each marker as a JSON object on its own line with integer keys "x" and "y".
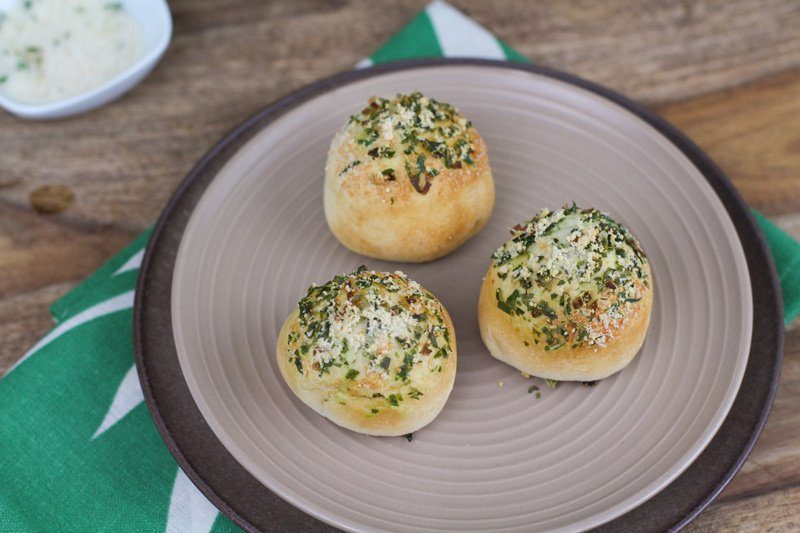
{"x": 575, "y": 275}
{"x": 54, "y": 49}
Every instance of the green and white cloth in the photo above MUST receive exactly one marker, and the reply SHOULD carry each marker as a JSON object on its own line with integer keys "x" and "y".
{"x": 78, "y": 449}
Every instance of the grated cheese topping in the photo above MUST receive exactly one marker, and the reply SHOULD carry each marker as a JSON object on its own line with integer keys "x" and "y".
{"x": 574, "y": 275}
{"x": 409, "y": 137}
{"x": 370, "y": 334}
{"x": 54, "y": 49}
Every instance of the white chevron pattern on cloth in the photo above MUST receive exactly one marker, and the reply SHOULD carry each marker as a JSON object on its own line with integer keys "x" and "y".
{"x": 128, "y": 396}
{"x": 364, "y": 63}
{"x": 133, "y": 263}
{"x": 189, "y": 510}
{"x": 459, "y": 35}
{"x": 106, "y": 307}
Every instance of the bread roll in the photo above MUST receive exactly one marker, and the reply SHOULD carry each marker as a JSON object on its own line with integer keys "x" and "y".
{"x": 568, "y": 297}
{"x": 373, "y": 352}
{"x": 407, "y": 179}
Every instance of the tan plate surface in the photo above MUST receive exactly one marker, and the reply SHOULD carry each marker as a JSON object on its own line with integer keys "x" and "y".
{"x": 496, "y": 458}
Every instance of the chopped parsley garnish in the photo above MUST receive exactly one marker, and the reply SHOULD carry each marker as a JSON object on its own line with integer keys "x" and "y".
{"x": 535, "y": 389}
{"x": 507, "y": 306}
{"x": 402, "y": 372}
{"x": 370, "y": 135}
{"x": 349, "y": 166}
{"x": 429, "y": 135}
{"x": 369, "y": 328}
{"x": 572, "y": 275}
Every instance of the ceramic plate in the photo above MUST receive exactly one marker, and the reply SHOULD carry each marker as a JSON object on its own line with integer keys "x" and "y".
{"x": 496, "y": 458}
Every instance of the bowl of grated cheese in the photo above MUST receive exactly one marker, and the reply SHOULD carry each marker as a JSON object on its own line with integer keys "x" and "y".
{"x": 63, "y": 57}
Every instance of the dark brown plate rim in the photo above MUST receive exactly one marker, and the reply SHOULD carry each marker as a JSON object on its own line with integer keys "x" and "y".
{"x": 254, "y": 507}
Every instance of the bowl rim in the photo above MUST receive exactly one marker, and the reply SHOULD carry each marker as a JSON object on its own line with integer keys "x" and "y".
{"x": 143, "y": 64}
{"x": 672, "y": 508}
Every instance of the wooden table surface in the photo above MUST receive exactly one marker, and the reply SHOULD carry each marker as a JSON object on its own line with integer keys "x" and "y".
{"x": 726, "y": 72}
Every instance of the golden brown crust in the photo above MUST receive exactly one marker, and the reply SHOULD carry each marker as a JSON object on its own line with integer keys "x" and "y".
{"x": 567, "y": 297}
{"x": 505, "y": 337}
{"x": 326, "y": 394}
{"x": 389, "y": 219}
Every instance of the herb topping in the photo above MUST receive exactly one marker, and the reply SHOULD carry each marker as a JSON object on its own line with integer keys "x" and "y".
{"x": 575, "y": 275}
{"x": 412, "y": 132}
{"x": 374, "y": 332}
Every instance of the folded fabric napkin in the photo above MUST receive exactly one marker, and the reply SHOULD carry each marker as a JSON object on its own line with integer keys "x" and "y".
{"x": 78, "y": 449}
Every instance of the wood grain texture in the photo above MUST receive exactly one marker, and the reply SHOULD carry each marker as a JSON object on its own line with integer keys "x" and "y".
{"x": 38, "y": 250}
{"x": 752, "y": 133}
{"x": 771, "y": 512}
{"x": 726, "y": 72}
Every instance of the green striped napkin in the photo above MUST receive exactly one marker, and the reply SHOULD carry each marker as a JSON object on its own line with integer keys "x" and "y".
{"x": 78, "y": 450}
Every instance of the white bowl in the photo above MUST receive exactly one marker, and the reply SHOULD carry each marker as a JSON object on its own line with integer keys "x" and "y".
{"x": 156, "y": 22}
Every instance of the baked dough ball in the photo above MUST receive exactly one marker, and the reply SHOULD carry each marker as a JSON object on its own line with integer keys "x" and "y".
{"x": 371, "y": 351}
{"x": 568, "y": 297}
{"x": 407, "y": 179}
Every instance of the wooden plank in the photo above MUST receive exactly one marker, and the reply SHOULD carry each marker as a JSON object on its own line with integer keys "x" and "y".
{"x": 774, "y": 511}
{"x": 752, "y": 133}
{"x": 38, "y": 250}
{"x": 653, "y": 51}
